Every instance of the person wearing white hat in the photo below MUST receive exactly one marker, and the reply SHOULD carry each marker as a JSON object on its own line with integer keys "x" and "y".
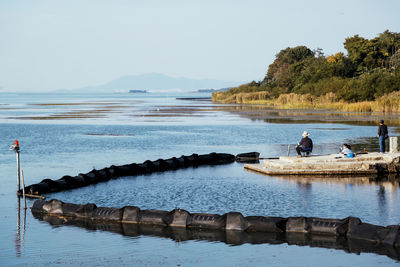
{"x": 305, "y": 145}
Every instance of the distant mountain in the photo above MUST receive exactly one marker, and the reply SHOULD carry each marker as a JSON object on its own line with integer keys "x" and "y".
{"x": 157, "y": 82}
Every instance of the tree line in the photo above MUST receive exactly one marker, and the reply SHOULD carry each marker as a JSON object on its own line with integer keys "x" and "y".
{"x": 369, "y": 70}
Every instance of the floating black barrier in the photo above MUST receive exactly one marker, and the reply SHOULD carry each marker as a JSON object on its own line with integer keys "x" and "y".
{"x": 147, "y": 167}
{"x": 328, "y": 226}
{"x": 51, "y": 185}
{"x": 177, "y": 218}
{"x": 349, "y": 227}
{"x": 266, "y": 224}
{"x": 348, "y": 234}
{"x": 208, "y": 221}
{"x": 37, "y": 189}
{"x": 180, "y": 234}
{"x": 153, "y": 217}
{"x": 107, "y": 214}
{"x": 250, "y": 157}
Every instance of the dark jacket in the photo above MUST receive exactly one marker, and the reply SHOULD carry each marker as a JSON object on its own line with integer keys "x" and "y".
{"x": 382, "y": 130}
{"x": 306, "y": 143}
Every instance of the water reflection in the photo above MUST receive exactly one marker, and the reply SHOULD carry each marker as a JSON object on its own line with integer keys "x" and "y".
{"x": 305, "y": 189}
{"x": 382, "y": 190}
{"x": 390, "y": 182}
{"x": 382, "y": 200}
{"x": 20, "y": 234}
{"x": 233, "y": 238}
{"x": 273, "y": 115}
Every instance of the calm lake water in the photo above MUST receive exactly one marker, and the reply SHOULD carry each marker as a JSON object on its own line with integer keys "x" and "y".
{"x": 63, "y": 134}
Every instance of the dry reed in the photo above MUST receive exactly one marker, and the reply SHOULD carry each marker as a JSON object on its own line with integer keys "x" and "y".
{"x": 389, "y": 103}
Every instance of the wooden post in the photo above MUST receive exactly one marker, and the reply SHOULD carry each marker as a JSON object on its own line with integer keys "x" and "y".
{"x": 23, "y": 188}
{"x": 32, "y": 196}
{"x": 23, "y": 229}
{"x": 393, "y": 144}
{"x": 288, "y": 150}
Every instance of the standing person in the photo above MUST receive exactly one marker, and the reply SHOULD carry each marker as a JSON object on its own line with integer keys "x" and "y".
{"x": 305, "y": 145}
{"x": 382, "y": 135}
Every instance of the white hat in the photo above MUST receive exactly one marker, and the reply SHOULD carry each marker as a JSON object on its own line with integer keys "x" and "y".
{"x": 305, "y": 133}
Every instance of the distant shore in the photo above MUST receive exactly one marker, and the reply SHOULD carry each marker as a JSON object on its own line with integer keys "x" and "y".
{"x": 194, "y": 98}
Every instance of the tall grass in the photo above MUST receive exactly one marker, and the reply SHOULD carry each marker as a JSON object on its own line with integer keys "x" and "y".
{"x": 389, "y": 103}
{"x": 240, "y": 98}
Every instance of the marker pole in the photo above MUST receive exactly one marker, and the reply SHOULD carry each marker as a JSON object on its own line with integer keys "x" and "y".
{"x": 18, "y": 171}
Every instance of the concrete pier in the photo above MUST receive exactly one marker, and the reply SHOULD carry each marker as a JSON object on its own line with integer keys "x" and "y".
{"x": 371, "y": 163}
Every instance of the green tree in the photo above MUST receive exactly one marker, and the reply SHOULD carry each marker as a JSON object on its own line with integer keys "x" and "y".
{"x": 284, "y": 59}
{"x": 370, "y": 69}
{"x": 363, "y": 53}
{"x": 389, "y": 43}
{"x": 394, "y": 61}
{"x": 367, "y": 55}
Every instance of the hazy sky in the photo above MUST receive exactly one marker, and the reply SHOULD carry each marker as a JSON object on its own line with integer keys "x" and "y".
{"x": 48, "y": 44}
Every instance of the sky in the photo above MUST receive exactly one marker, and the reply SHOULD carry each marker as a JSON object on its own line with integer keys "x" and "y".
{"x": 48, "y": 45}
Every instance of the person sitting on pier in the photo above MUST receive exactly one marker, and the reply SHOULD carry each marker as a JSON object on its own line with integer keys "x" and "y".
{"x": 346, "y": 150}
{"x": 305, "y": 145}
